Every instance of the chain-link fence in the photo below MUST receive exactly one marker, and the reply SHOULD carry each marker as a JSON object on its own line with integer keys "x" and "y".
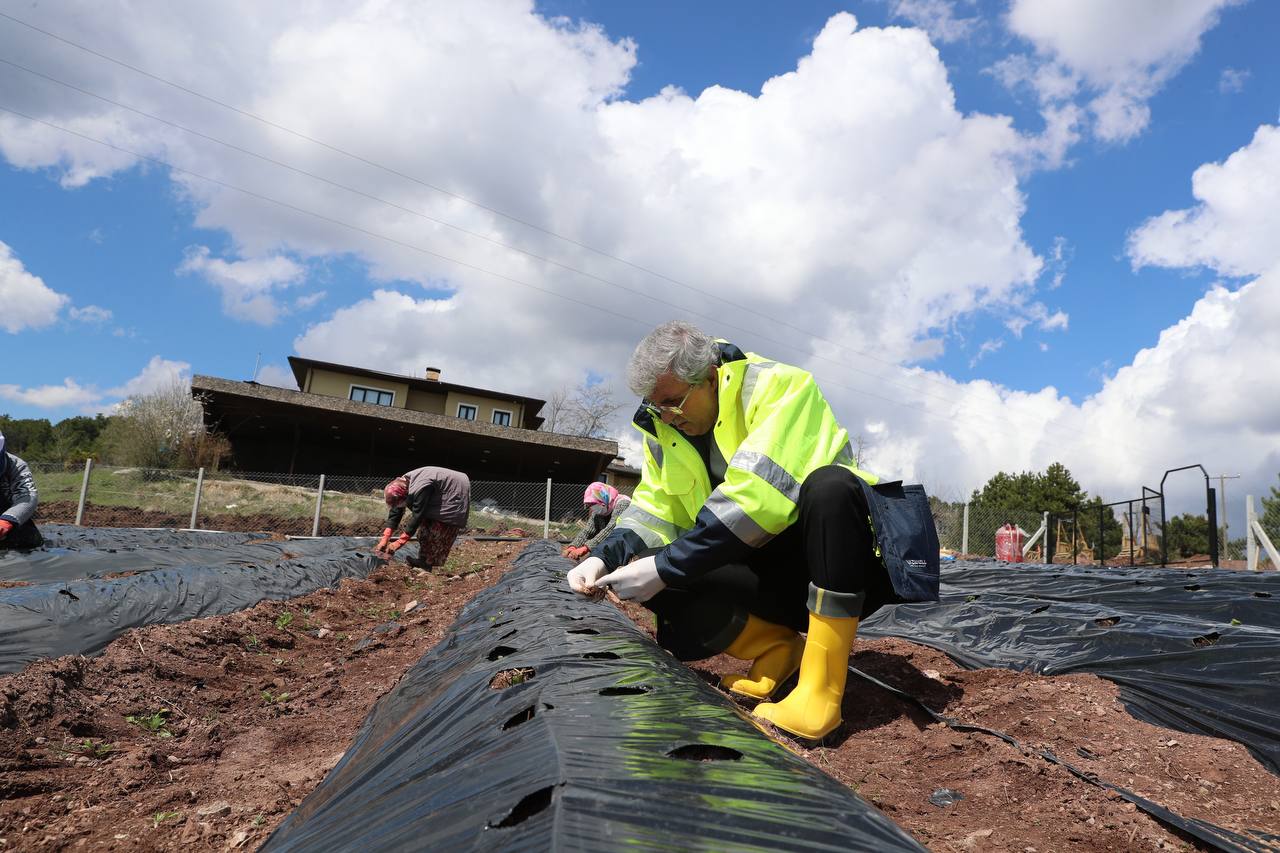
{"x": 296, "y": 505}
{"x": 967, "y": 529}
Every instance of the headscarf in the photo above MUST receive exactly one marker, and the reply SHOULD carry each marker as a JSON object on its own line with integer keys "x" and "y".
{"x": 396, "y": 491}
{"x": 600, "y": 493}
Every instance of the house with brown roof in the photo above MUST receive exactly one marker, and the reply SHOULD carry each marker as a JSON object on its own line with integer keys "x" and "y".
{"x": 352, "y": 420}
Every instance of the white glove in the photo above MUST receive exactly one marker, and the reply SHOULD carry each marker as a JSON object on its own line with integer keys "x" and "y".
{"x": 583, "y": 577}
{"x": 638, "y": 581}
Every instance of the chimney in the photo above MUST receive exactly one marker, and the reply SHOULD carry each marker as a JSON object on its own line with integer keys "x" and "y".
{"x": 433, "y": 374}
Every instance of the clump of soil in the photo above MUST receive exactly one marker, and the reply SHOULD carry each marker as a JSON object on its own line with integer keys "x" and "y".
{"x": 204, "y": 735}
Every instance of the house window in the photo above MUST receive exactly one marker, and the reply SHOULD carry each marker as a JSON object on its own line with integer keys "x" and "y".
{"x": 372, "y": 395}
{"x": 467, "y": 413}
{"x": 501, "y": 418}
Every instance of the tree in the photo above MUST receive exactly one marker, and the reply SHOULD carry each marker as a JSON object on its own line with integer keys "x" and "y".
{"x": 1186, "y": 536}
{"x": 1008, "y": 497}
{"x": 29, "y": 438}
{"x": 164, "y": 429}
{"x": 585, "y": 411}
{"x": 1270, "y": 516}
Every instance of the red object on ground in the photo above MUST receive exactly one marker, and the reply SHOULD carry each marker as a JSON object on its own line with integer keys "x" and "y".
{"x": 1009, "y": 544}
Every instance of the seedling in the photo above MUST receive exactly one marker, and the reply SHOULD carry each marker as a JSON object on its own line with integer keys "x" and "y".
{"x": 251, "y": 642}
{"x": 160, "y": 817}
{"x": 1236, "y": 622}
{"x": 156, "y": 723}
{"x": 284, "y": 620}
{"x": 269, "y": 698}
{"x": 259, "y": 820}
{"x": 90, "y": 748}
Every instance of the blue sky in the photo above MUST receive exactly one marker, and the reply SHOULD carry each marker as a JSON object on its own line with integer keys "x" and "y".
{"x": 127, "y": 273}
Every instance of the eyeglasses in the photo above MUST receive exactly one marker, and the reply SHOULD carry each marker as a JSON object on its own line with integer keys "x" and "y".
{"x": 658, "y": 410}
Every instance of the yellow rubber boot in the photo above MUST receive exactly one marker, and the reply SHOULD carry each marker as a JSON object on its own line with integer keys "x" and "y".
{"x": 774, "y": 651}
{"x": 812, "y": 710}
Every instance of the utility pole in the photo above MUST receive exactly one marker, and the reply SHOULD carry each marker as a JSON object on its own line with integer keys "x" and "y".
{"x": 1222, "y": 493}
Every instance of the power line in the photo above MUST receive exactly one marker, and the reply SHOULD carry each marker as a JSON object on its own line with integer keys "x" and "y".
{"x": 950, "y": 401}
{"x": 773, "y": 319}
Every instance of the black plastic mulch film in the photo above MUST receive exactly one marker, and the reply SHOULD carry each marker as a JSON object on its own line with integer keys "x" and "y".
{"x": 70, "y": 609}
{"x": 1194, "y": 651}
{"x": 546, "y": 721}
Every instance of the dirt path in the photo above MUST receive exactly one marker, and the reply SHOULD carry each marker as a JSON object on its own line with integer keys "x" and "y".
{"x": 236, "y": 718}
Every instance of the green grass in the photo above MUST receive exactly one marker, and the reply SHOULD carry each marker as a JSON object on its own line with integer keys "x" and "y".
{"x": 174, "y": 492}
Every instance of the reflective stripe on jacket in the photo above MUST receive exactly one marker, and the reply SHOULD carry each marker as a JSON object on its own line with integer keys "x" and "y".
{"x": 774, "y": 427}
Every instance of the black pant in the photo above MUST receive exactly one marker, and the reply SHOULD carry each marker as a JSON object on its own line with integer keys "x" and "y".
{"x": 830, "y": 545}
{"x": 25, "y": 535}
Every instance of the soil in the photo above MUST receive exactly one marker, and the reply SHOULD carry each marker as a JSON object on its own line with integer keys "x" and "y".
{"x": 258, "y": 708}
{"x": 248, "y": 714}
{"x": 64, "y": 512}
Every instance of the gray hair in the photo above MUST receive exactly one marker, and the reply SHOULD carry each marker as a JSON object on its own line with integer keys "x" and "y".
{"x": 679, "y": 348}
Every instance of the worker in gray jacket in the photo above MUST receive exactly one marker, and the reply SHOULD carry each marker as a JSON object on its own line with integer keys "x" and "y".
{"x": 439, "y": 501}
{"x": 17, "y": 503}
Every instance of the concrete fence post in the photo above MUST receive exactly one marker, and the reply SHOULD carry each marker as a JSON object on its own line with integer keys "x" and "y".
{"x": 546, "y": 513}
{"x": 195, "y": 504}
{"x": 315, "y": 525}
{"x": 964, "y": 531}
{"x": 84, "y": 491}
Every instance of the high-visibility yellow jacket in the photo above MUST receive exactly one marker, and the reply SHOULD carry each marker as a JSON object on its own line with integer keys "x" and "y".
{"x": 773, "y": 429}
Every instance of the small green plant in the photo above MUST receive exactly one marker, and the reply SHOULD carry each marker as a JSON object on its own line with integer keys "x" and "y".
{"x": 284, "y": 620}
{"x": 156, "y": 723}
{"x": 160, "y": 817}
{"x": 1236, "y": 622}
{"x": 269, "y": 698}
{"x": 971, "y": 598}
{"x": 251, "y": 642}
{"x": 259, "y": 820}
{"x": 90, "y": 748}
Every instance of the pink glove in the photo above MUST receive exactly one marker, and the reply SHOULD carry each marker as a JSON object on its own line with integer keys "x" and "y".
{"x": 386, "y": 538}
{"x": 5, "y": 527}
{"x": 578, "y": 553}
{"x": 398, "y": 544}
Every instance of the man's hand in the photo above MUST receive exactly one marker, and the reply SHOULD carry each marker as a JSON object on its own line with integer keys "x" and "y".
{"x": 5, "y": 527}
{"x": 638, "y": 581}
{"x": 385, "y": 540}
{"x": 577, "y": 553}
{"x": 582, "y": 577}
{"x": 398, "y": 544}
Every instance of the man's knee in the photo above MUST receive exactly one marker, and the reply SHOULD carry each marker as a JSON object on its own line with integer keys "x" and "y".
{"x": 828, "y": 486}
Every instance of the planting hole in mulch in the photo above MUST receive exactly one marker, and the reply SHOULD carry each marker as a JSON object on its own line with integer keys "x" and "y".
{"x": 1207, "y": 639}
{"x": 600, "y": 656}
{"x": 638, "y": 690}
{"x": 1107, "y": 621}
{"x": 583, "y": 631}
{"x": 704, "y": 752}
{"x": 501, "y": 652}
{"x": 527, "y": 808}
{"x": 520, "y": 717}
{"x": 511, "y": 677}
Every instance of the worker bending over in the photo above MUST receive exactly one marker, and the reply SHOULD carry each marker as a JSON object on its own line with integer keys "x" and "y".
{"x": 751, "y": 523}
{"x": 438, "y": 501}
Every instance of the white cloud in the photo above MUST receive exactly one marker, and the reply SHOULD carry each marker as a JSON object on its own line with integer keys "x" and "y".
{"x": 247, "y": 285}
{"x": 828, "y": 197}
{"x": 277, "y": 375}
{"x": 310, "y": 300}
{"x": 92, "y": 314}
{"x": 936, "y": 17}
{"x": 1115, "y": 56}
{"x": 988, "y": 347}
{"x": 1233, "y": 228}
{"x": 26, "y": 302}
{"x": 1232, "y": 80}
{"x": 158, "y": 374}
{"x": 70, "y": 394}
